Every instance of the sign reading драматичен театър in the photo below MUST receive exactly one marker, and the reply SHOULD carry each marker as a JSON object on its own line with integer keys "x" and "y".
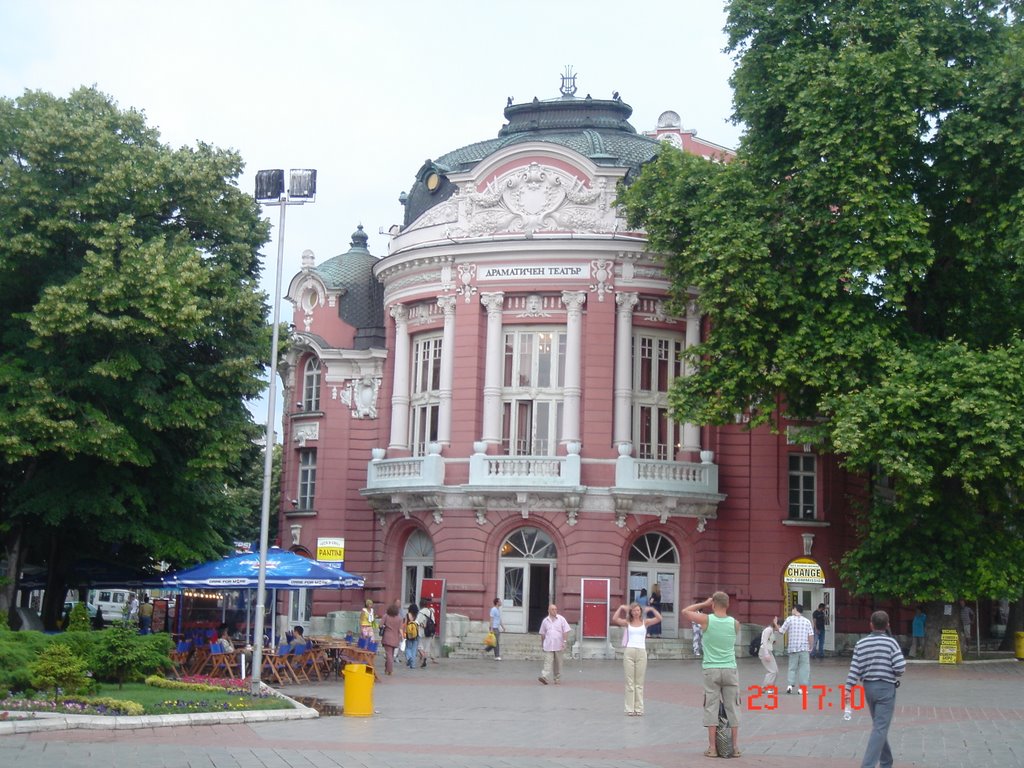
{"x": 534, "y": 272}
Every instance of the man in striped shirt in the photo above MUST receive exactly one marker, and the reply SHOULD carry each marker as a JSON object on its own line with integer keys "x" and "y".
{"x": 877, "y": 664}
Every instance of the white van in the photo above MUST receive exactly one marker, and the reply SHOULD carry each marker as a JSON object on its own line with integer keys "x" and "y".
{"x": 113, "y": 602}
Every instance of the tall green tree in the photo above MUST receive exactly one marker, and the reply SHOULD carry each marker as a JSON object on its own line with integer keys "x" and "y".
{"x": 132, "y": 333}
{"x": 862, "y": 266}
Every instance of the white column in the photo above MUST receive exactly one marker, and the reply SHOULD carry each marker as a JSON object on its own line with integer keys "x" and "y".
{"x": 572, "y": 387}
{"x": 444, "y": 411}
{"x": 400, "y": 393}
{"x": 494, "y": 303}
{"x": 691, "y": 432}
{"x": 623, "y": 431}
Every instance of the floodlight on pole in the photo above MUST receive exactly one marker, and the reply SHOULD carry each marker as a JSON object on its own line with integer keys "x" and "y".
{"x": 270, "y": 191}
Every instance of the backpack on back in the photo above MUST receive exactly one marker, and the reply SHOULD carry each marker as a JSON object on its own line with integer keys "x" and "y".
{"x": 755, "y": 645}
{"x": 412, "y": 630}
{"x": 431, "y": 627}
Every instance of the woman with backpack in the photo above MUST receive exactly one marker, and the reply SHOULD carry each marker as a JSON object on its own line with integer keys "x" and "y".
{"x": 412, "y": 634}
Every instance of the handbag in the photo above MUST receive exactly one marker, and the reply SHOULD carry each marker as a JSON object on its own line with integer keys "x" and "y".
{"x": 490, "y": 640}
{"x": 723, "y": 734}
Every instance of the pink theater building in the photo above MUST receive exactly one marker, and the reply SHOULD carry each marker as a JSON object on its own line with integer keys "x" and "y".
{"x": 487, "y": 403}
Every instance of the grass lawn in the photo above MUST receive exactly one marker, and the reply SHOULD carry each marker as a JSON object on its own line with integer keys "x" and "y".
{"x": 163, "y": 701}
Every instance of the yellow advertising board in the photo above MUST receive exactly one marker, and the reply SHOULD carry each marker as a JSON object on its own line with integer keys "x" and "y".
{"x": 949, "y": 647}
{"x": 330, "y": 550}
{"x": 803, "y": 570}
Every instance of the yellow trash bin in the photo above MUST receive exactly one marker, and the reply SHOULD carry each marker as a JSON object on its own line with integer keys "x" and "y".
{"x": 358, "y": 690}
{"x": 1018, "y": 645}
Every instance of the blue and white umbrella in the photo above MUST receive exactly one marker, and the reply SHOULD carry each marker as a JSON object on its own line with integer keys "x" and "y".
{"x": 285, "y": 570}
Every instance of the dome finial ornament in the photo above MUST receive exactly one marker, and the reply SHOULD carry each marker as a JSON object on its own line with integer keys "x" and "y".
{"x": 568, "y": 88}
{"x": 360, "y": 238}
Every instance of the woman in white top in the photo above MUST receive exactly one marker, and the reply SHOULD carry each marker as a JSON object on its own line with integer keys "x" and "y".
{"x": 767, "y": 652}
{"x": 634, "y": 622}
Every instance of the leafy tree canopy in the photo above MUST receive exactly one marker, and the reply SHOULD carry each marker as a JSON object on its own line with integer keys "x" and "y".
{"x": 132, "y": 332}
{"x": 863, "y": 260}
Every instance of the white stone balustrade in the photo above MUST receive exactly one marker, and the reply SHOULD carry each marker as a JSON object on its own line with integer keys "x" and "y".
{"x": 666, "y": 476}
{"x": 411, "y": 472}
{"x": 542, "y": 471}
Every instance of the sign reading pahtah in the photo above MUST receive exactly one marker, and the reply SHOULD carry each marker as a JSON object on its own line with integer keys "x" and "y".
{"x": 533, "y": 272}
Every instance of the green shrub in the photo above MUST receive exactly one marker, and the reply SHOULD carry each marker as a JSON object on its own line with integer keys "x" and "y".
{"x": 58, "y": 667}
{"x": 18, "y": 650}
{"x": 78, "y": 621}
{"x": 121, "y": 654}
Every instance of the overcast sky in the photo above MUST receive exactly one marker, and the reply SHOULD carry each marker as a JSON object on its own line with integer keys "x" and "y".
{"x": 364, "y": 91}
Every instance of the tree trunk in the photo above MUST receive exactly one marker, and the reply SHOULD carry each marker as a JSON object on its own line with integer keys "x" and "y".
{"x": 936, "y": 622}
{"x": 56, "y": 585}
{"x": 12, "y": 554}
{"x": 1014, "y": 624}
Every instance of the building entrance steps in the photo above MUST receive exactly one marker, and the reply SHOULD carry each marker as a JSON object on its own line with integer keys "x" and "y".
{"x": 526, "y": 646}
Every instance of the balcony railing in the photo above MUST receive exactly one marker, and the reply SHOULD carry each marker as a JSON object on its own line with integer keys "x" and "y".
{"x": 540, "y": 472}
{"x": 412, "y": 472}
{"x": 534, "y": 471}
{"x": 667, "y": 476}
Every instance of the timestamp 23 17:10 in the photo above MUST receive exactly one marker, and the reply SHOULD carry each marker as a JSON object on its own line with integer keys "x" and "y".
{"x": 820, "y": 697}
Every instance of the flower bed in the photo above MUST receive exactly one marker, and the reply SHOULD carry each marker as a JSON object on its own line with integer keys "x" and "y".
{"x": 71, "y": 705}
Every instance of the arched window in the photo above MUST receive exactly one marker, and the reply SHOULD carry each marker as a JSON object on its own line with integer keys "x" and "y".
{"x": 653, "y": 548}
{"x": 528, "y": 543}
{"x": 311, "y": 385}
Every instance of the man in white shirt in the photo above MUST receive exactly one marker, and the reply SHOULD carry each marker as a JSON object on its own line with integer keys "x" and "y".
{"x": 799, "y": 639}
{"x": 554, "y": 633}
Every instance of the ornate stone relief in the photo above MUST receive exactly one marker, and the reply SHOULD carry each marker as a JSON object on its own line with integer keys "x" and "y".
{"x": 467, "y": 274}
{"x": 310, "y": 297}
{"x": 304, "y": 431}
{"x": 656, "y": 311}
{"x": 534, "y": 307}
{"x": 603, "y": 271}
{"x": 533, "y": 198}
{"x": 360, "y": 395}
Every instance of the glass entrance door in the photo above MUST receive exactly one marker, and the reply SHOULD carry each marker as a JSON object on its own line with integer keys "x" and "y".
{"x": 513, "y": 581}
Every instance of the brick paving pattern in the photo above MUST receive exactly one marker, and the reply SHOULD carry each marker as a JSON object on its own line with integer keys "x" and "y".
{"x": 487, "y": 714}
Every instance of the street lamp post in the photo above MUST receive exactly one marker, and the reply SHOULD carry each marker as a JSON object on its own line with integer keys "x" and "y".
{"x": 270, "y": 191}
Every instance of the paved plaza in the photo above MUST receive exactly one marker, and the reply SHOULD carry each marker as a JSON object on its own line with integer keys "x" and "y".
{"x": 488, "y": 714}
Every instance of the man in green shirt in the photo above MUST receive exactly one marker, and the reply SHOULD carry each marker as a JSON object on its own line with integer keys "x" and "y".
{"x": 721, "y": 678}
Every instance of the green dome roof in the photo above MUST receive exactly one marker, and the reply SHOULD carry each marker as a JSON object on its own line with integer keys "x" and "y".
{"x": 598, "y": 129}
{"x": 362, "y": 296}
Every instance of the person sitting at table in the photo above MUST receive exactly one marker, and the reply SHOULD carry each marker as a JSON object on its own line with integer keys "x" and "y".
{"x": 228, "y": 646}
{"x": 298, "y": 641}
{"x": 224, "y": 639}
